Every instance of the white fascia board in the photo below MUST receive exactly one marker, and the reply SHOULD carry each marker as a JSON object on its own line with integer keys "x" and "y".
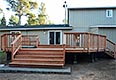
{"x": 51, "y": 28}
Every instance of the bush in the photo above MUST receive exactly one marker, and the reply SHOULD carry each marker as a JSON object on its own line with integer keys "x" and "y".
{"x": 3, "y": 57}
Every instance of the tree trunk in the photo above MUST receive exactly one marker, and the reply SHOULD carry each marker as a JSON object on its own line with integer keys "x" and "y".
{"x": 19, "y": 22}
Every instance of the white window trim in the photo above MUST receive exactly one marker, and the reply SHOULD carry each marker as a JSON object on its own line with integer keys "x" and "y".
{"x": 60, "y": 36}
{"x": 109, "y": 11}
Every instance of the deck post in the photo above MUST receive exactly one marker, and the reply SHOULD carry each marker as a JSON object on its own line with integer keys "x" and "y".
{"x": 12, "y": 51}
{"x": 97, "y": 42}
{"x": 88, "y": 42}
{"x": 93, "y": 41}
{"x": 84, "y": 41}
{"x": 64, "y": 52}
{"x": 105, "y": 42}
{"x": 64, "y": 39}
{"x": 5, "y": 41}
{"x": 115, "y": 51}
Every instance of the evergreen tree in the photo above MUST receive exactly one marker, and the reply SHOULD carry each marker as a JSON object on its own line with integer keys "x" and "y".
{"x": 42, "y": 17}
{"x": 3, "y": 21}
{"x": 1, "y": 11}
{"x": 13, "y": 21}
{"x": 21, "y": 7}
{"x": 32, "y": 20}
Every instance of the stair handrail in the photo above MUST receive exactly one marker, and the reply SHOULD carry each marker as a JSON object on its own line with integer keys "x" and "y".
{"x": 16, "y": 45}
{"x": 109, "y": 47}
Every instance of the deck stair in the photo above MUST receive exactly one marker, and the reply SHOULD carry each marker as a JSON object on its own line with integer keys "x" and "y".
{"x": 39, "y": 57}
{"x": 110, "y": 53}
{"x": 110, "y": 48}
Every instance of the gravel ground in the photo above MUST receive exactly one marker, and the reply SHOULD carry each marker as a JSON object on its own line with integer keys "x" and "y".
{"x": 101, "y": 70}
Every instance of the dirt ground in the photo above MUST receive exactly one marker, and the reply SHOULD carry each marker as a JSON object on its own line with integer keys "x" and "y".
{"x": 104, "y": 69}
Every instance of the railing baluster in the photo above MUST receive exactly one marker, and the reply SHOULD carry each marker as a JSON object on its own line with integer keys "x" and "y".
{"x": 87, "y": 41}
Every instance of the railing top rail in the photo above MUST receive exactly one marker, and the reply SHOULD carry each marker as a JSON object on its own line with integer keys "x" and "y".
{"x": 12, "y": 34}
{"x": 76, "y": 32}
{"x": 8, "y": 34}
{"x": 84, "y": 33}
{"x": 111, "y": 41}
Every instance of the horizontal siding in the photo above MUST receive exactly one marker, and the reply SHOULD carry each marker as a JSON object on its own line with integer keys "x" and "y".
{"x": 93, "y": 30}
{"x": 109, "y": 32}
{"x": 43, "y": 36}
{"x": 87, "y": 18}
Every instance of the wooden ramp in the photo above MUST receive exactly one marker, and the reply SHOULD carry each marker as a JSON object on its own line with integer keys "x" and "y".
{"x": 39, "y": 57}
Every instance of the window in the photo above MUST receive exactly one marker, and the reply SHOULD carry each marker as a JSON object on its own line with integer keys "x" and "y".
{"x": 109, "y": 13}
{"x": 55, "y": 37}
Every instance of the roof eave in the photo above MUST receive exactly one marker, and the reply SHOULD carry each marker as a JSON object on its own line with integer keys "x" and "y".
{"x": 24, "y": 29}
{"x": 82, "y": 8}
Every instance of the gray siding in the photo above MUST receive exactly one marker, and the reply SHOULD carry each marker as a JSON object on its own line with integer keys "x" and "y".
{"x": 110, "y": 32}
{"x": 43, "y": 37}
{"x": 94, "y": 30}
{"x": 43, "y": 34}
{"x": 86, "y": 18}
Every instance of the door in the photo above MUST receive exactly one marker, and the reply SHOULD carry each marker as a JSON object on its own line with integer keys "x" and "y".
{"x": 54, "y": 38}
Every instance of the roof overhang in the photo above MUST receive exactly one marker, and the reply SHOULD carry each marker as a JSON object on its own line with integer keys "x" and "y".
{"x": 60, "y": 27}
{"x": 83, "y": 8}
{"x": 103, "y": 26}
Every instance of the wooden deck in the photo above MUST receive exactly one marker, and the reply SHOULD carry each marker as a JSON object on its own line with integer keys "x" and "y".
{"x": 53, "y": 55}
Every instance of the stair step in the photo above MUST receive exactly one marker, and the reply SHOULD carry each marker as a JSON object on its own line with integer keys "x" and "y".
{"x": 110, "y": 53}
{"x": 42, "y": 49}
{"x": 50, "y": 46}
{"x": 27, "y": 64}
{"x": 40, "y": 53}
{"x": 38, "y": 60}
{"x": 33, "y": 49}
{"x": 39, "y": 56}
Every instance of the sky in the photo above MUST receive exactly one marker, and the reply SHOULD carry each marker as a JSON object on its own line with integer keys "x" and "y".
{"x": 56, "y": 11}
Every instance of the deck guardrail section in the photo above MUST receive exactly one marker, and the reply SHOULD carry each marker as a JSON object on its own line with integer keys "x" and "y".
{"x": 87, "y": 41}
{"x": 30, "y": 40}
{"x": 111, "y": 47}
{"x": 6, "y": 40}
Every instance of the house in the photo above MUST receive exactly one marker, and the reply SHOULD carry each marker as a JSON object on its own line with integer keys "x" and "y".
{"x": 101, "y": 20}
{"x": 48, "y": 34}
{"x": 82, "y": 34}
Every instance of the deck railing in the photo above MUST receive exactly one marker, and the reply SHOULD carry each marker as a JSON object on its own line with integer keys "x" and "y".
{"x": 6, "y": 40}
{"x": 111, "y": 47}
{"x": 87, "y": 41}
{"x": 16, "y": 45}
{"x": 30, "y": 40}
{"x": 13, "y": 42}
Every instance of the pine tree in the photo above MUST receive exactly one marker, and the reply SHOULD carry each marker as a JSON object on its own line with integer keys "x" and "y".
{"x": 21, "y": 7}
{"x": 13, "y": 21}
{"x": 42, "y": 17}
{"x": 3, "y": 21}
{"x": 32, "y": 20}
